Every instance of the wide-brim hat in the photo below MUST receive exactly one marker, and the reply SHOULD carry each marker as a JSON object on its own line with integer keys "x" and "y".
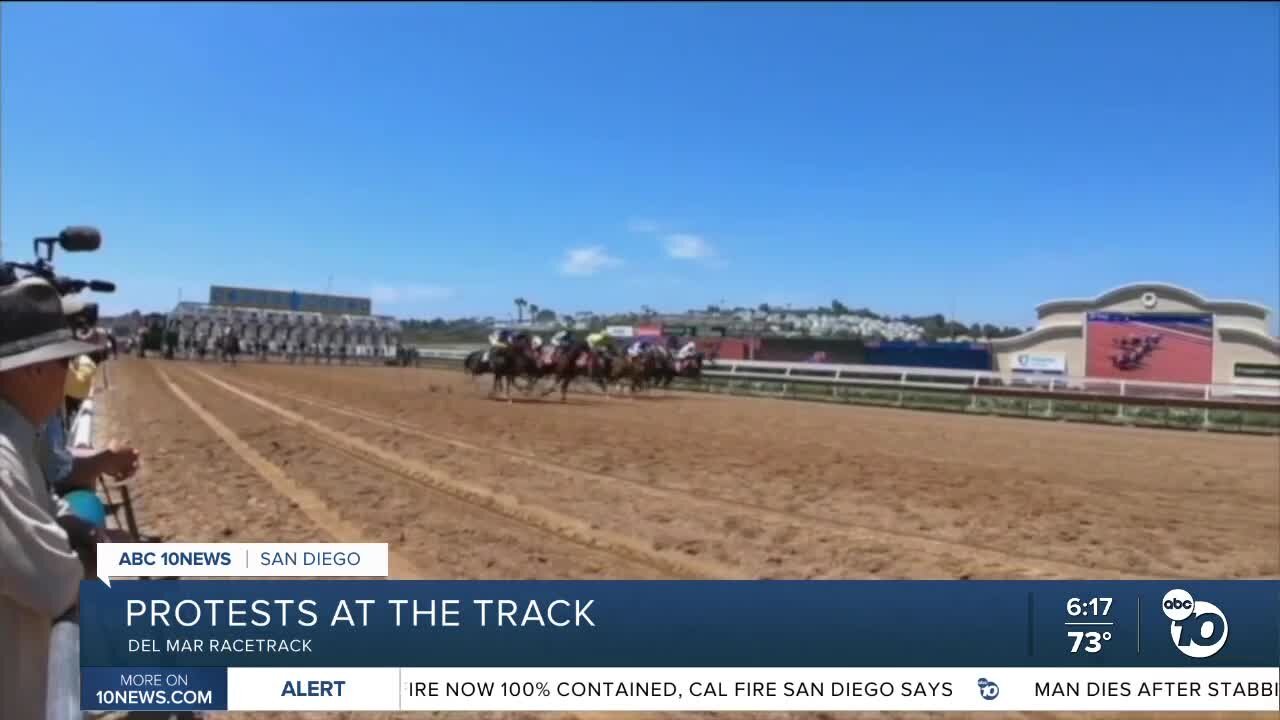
{"x": 34, "y": 326}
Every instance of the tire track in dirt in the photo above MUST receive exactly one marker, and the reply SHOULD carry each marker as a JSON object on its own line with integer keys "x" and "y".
{"x": 310, "y": 504}
{"x": 447, "y": 537}
{"x": 1065, "y": 434}
{"x": 726, "y": 505}
{"x": 509, "y": 506}
{"x": 1052, "y": 486}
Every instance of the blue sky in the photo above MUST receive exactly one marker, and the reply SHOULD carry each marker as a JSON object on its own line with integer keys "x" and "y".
{"x": 447, "y": 158}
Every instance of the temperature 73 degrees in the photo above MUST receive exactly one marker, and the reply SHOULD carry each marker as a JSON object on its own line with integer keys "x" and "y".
{"x": 1090, "y": 612}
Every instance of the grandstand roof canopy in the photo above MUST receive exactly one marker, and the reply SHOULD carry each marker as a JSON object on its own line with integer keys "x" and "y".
{"x": 291, "y": 300}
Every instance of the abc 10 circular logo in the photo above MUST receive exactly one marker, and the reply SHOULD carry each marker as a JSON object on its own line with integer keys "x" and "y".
{"x": 1198, "y": 628}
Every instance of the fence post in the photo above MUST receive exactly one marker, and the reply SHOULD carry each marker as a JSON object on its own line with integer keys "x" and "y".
{"x": 62, "y": 690}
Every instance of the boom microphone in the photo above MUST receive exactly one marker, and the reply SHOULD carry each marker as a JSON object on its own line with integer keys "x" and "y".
{"x": 80, "y": 238}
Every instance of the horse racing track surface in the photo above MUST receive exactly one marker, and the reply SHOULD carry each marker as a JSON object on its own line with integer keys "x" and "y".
{"x": 684, "y": 485}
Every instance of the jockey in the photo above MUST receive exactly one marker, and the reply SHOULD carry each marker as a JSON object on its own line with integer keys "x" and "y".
{"x": 498, "y": 340}
{"x": 600, "y": 342}
{"x": 688, "y": 351}
{"x": 637, "y": 349}
{"x": 535, "y": 348}
{"x": 602, "y": 348}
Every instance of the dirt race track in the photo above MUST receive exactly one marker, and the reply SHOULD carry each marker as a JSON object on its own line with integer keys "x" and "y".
{"x": 678, "y": 486}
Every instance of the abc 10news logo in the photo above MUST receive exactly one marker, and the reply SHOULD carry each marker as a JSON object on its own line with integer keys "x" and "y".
{"x": 1198, "y": 628}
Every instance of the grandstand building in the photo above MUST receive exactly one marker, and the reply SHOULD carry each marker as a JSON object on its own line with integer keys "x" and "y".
{"x": 1150, "y": 331}
{"x": 276, "y": 322}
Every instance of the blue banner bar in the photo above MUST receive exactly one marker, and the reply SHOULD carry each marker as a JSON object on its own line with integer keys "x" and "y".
{"x": 682, "y": 624}
{"x": 162, "y": 689}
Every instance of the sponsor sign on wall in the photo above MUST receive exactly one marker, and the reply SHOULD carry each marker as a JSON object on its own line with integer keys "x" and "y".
{"x": 1045, "y": 362}
{"x": 619, "y": 331}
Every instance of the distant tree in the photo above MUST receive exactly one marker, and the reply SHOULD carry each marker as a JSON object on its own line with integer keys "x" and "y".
{"x": 839, "y": 308}
{"x": 520, "y": 305}
{"x": 764, "y": 307}
{"x": 545, "y": 315}
{"x": 533, "y": 310}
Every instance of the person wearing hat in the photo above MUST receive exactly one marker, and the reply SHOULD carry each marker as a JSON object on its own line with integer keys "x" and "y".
{"x": 79, "y": 384}
{"x": 70, "y": 470}
{"x": 40, "y": 573}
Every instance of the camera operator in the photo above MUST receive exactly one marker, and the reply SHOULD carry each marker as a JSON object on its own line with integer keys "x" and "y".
{"x": 40, "y": 573}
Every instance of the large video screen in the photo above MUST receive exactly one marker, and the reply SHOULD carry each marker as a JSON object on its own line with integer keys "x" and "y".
{"x": 1153, "y": 347}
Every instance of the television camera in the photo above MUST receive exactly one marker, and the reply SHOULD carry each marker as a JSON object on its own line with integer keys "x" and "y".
{"x": 73, "y": 239}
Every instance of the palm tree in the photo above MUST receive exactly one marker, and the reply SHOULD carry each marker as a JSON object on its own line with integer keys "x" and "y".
{"x": 520, "y": 303}
{"x": 533, "y": 312}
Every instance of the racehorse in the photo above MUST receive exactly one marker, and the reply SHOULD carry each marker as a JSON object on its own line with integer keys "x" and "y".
{"x": 228, "y": 347}
{"x": 639, "y": 370}
{"x": 476, "y": 364}
{"x": 565, "y": 367}
{"x": 510, "y": 362}
{"x": 666, "y": 368}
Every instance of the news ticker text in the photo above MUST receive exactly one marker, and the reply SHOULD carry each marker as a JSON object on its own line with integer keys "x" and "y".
{"x": 681, "y": 689}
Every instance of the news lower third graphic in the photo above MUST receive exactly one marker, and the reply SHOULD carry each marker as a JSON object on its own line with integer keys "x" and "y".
{"x": 360, "y": 644}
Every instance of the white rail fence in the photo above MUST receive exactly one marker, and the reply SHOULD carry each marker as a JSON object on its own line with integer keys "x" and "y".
{"x": 899, "y": 378}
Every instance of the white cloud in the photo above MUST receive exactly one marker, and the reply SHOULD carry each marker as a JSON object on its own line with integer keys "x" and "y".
{"x": 587, "y": 261}
{"x": 393, "y": 295}
{"x": 686, "y": 246}
{"x": 679, "y": 245}
{"x": 642, "y": 226}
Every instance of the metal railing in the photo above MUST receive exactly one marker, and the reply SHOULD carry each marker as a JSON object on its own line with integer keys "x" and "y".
{"x": 63, "y": 692}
